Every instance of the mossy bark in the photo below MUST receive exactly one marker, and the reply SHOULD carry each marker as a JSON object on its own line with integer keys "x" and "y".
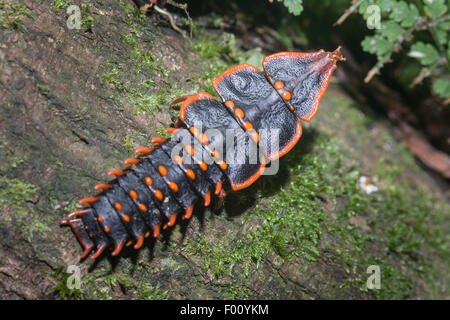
{"x": 74, "y": 103}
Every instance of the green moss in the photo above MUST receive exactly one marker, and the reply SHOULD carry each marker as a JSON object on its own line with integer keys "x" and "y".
{"x": 140, "y": 95}
{"x": 61, "y": 290}
{"x": 143, "y": 58}
{"x": 61, "y": 4}
{"x": 12, "y": 14}
{"x": 104, "y": 285}
{"x": 136, "y": 95}
{"x": 87, "y": 20}
{"x": 132, "y": 13}
{"x": 139, "y": 92}
{"x": 16, "y": 192}
{"x": 192, "y": 25}
{"x": 128, "y": 142}
{"x": 154, "y": 101}
{"x": 147, "y": 292}
{"x": 15, "y": 162}
{"x": 234, "y": 291}
{"x": 87, "y": 23}
{"x": 163, "y": 134}
{"x": 8, "y": 158}
{"x": 14, "y": 197}
{"x": 114, "y": 78}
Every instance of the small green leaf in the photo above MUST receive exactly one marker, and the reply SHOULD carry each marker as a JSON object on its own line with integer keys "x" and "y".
{"x": 362, "y": 9}
{"x": 444, "y": 25}
{"x": 405, "y": 14}
{"x": 426, "y": 53}
{"x": 294, "y": 7}
{"x": 434, "y": 8}
{"x": 391, "y": 30}
{"x": 377, "y": 45}
{"x": 399, "y": 11}
{"x": 441, "y": 34}
{"x": 386, "y": 5}
{"x": 442, "y": 87}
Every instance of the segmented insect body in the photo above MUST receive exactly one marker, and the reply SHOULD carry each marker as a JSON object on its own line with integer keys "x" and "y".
{"x": 175, "y": 173}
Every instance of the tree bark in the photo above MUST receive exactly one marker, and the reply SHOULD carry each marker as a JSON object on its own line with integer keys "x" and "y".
{"x": 70, "y": 111}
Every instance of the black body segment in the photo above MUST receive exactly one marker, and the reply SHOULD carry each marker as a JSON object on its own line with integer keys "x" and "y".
{"x": 256, "y": 105}
{"x": 226, "y": 137}
{"x": 304, "y": 75}
{"x": 110, "y": 221}
{"x": 93, "y": 229}
{"x": 213, "y": 172}
{"x": 167, "y": 204}
{"x": 126, "y": 210}
{"x": 130, "y": 182}
{"x": 198, "y": 180}
{"x": 173, "y": 176}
